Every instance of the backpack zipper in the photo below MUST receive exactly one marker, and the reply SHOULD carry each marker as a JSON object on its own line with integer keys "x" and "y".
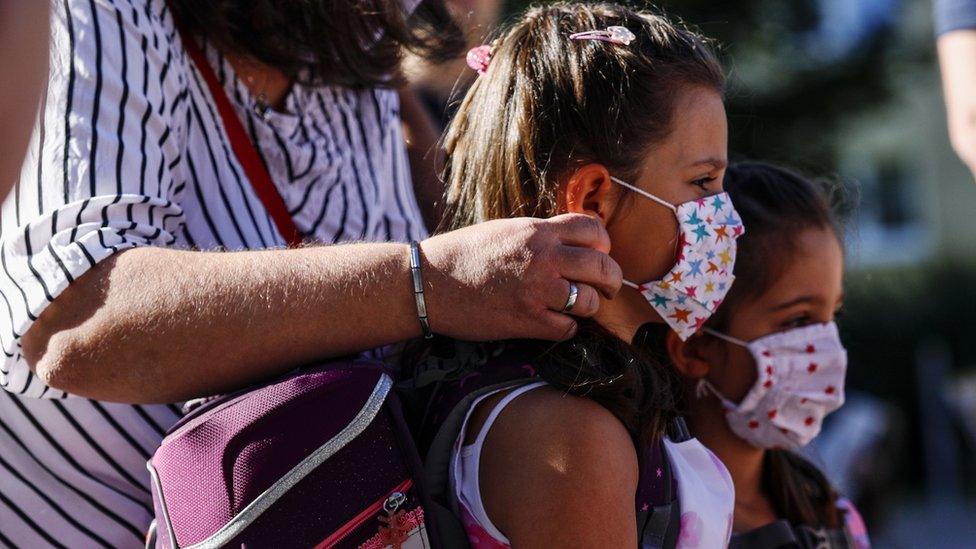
{"x": 396, "y": 498}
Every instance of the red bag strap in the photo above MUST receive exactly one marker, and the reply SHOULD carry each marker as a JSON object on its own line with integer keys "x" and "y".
{"x": 243, "y": 148}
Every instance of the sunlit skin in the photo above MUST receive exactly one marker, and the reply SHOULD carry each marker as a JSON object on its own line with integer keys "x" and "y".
{"x": 808, "y": 290}
{"x": 561, "y": 471}
{"x": 688, "y": 165}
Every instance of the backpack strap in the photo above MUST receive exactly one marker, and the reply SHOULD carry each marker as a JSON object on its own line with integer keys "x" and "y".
{"x": 247, "y": 155}
{"x": 437, "y": 466}
{"x": 658, "y": 526}
{"x": 771, "y": 536}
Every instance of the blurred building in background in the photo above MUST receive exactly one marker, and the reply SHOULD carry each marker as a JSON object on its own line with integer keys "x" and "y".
{"x": 849, "y": 90}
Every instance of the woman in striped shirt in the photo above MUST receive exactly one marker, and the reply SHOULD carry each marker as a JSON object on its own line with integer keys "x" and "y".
{"x": 139, "y": 265}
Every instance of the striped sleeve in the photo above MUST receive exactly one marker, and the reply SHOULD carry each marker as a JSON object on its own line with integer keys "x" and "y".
{"x": 102, "y": 172}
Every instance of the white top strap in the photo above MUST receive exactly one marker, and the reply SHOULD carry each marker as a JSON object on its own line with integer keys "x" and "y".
{"x": 483, "y": 433}
{"x": 465, "y": 467}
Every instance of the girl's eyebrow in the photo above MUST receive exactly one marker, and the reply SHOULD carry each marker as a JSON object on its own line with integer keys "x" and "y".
{"x": 716, "y": 162}
{"x": 797, "y": 301}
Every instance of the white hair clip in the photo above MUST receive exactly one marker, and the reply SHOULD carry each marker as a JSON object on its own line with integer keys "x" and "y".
{"x": 614, "y": 35}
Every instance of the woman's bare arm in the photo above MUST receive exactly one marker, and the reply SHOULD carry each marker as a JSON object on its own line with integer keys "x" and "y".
{"x": 160, "y": 325}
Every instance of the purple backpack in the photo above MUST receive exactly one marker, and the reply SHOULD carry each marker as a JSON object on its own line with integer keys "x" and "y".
{"x": 320, "y": 458}
{"x": 324, "y": 458}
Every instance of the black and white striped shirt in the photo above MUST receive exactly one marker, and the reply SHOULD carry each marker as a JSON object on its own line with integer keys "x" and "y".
{"x": 130, "y": 151}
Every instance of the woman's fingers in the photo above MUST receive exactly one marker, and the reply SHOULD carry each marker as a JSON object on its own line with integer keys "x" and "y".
{"x": 510, "y": 278}
{"x": 556, "y": 326}
{"x": 587, "y": 299}
{"x": 581, "y": 230}
{"x": 590, "y": 267}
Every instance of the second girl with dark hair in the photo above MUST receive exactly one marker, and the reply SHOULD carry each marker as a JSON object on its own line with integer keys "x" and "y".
{"x": 770, "y": 365}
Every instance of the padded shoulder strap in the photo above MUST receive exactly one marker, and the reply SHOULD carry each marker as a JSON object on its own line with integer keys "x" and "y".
{"x": 438, "y": 463}
{"x": 658, "y": 523}
{"x": 772, "y": 536}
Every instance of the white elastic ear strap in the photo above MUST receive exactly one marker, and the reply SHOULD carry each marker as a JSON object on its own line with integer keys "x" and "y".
{"x": 730, "y": 339}
{"x": 640, "y": 191}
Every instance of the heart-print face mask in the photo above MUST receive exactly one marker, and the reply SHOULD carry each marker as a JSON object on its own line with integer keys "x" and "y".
{"x": 801, "y": 380}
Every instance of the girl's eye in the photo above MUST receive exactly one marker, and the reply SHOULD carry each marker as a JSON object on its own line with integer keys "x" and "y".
{"x": 703, "y": 182}
{"x": 798, "y": 321}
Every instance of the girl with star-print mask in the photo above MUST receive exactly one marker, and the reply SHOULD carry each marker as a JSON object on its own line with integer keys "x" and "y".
{"x": 604, "y": 111}
{"x": 769, "y": 365}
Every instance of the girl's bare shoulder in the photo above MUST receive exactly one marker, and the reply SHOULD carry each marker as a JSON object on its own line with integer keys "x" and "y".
{"x": 547, "y": 446}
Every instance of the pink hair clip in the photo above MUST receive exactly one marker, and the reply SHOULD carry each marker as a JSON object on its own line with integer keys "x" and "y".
{"x": 614, "y": 35}
{"x": 479, "y": 57}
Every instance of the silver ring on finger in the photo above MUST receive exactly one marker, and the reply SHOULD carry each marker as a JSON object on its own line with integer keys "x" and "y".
{"x": 571, "y": 300}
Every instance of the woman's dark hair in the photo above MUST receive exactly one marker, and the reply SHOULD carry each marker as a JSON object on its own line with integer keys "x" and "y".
{"x": 346, "y": 42}
{"x": 776, "y": 205}
{"x": 547, "y": 104}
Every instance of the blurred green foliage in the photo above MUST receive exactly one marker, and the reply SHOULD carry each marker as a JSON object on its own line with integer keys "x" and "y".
{"x": 786, "y": 99}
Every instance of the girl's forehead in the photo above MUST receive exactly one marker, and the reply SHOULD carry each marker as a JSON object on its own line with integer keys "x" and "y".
{"x": 699, "y": 133}
{"x": 811, "y": 272}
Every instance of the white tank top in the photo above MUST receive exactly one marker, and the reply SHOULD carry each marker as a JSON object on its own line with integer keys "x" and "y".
{"x": 465, "y": 460}
{"x": 705, "y": 491}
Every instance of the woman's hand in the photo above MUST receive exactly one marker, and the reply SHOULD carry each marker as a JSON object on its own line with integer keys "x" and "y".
{"x": 509, "y": 278}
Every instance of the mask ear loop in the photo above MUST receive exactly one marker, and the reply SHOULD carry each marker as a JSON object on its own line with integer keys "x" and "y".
{"x": 640, "y": 191}
{"x": 730, "y": 339}
{"x": 703, "y": 387}
{"x": 646, "y": 194}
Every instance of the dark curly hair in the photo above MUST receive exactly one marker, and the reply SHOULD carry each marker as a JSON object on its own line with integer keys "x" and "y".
{"x": 357, "y": 43}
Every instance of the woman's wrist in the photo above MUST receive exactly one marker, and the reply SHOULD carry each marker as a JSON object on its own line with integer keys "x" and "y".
{"x": 416, "y": 263}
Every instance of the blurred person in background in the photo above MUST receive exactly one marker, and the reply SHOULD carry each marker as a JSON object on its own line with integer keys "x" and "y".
{"x": 23, "y": 62}
{"x": 125, "y": 274}
{"x": 434, "y": 84}
{"x": 955, "y": 27}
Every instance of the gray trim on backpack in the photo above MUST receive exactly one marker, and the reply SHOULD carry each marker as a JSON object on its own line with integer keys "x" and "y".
{"x": 154, "y": 478}
{"x": 261, "y": 503}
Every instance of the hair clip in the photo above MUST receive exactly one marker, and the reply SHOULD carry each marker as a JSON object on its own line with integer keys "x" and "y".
{"x": 479, "y": 57}
{"x": 614, "y": 35}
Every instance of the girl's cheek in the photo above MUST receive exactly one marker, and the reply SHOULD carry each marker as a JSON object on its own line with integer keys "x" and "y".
{"x": 643, "y": 242}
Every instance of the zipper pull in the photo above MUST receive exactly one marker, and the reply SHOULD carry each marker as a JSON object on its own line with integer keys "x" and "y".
{"x": 394, "y": 531}
{"x": 393, "y": 503}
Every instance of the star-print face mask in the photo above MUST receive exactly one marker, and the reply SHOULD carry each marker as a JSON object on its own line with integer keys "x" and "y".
{"x": 801, "y": 380}
{"x": 691, "y": 291}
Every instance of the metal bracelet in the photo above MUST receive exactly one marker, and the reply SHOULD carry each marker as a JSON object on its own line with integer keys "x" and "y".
{"x": 418, "y": 289}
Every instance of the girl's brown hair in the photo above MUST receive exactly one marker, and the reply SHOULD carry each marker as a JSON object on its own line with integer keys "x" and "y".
{"x": 776, "y": 205}
{"x": 354, "y": 43}
{"x": 547, "y": 104}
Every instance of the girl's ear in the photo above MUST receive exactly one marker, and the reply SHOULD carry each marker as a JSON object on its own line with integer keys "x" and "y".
{"x": 591, "y": 191}
{"x": 688, "y": 357}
